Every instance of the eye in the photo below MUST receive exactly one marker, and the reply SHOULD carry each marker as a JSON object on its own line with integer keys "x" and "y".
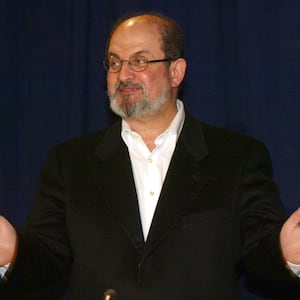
{"x": 138, "y": 61}
{"x": 114, "y": 63}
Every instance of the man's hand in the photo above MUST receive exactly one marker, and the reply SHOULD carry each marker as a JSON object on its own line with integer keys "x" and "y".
{"x": 8, "y": 242}
{"x": 290, "y": 238}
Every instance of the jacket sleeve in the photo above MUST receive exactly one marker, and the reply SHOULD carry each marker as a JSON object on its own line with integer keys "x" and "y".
{"x": 261, "y": 217}
{"x": 44, "y": 255}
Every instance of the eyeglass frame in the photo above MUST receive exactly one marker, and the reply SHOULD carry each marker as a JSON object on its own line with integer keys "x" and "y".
{"x": 106, "y": 65}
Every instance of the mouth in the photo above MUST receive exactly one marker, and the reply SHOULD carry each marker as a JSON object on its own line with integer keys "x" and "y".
{"x": 128, "y": 88}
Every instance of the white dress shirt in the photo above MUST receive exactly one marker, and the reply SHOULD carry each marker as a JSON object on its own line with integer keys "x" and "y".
{"x": 150, "y": 168}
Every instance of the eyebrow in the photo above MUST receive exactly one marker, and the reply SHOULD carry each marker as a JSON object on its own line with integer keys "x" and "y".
{"x": 134, "y": 54}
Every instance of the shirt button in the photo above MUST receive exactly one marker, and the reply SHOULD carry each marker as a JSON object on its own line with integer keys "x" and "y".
{"x": 151, "y": 193}
{"x": 150, "y": 160}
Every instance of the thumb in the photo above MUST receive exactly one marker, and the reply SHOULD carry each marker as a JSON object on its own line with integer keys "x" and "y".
{"x": 8, "y": 241}
{"x": 294, "y": 218}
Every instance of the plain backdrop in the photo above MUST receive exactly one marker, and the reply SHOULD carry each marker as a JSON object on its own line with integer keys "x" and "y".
{"x": 243, "y": 74}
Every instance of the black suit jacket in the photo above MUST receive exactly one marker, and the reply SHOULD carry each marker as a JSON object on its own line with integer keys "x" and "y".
{"x": 219, "y": 212}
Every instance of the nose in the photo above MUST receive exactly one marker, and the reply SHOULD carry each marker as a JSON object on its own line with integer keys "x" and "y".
{"x": 125, "y": 72}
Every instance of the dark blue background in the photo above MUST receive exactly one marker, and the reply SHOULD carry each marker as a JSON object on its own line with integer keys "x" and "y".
{"x": 243, "y": 73}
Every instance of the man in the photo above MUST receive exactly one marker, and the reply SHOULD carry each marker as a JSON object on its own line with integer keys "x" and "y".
{"x": 159, "y": 205}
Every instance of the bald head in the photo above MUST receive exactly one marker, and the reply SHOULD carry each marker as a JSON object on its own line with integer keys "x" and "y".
{"x": 170, "y": 33}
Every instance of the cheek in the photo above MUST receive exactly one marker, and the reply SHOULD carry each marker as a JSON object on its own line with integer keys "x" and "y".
{"x": 111, "y": 82}
{"x": 156, "y": 84}
{"x": 153, "y": 81}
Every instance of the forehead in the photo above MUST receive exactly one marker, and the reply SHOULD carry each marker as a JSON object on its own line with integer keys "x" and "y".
{"x": 135, "y": 36}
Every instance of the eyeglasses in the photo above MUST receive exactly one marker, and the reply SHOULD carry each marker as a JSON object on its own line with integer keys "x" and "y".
{"x": 136, "y": 63}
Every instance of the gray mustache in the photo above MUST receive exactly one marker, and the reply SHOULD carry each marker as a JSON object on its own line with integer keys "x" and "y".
{"x": 129, "y": 85}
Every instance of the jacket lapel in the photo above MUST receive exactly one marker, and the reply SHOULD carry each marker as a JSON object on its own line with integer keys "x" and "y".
{"x": 183, "y": 182}
{"x": 117, "y": 184}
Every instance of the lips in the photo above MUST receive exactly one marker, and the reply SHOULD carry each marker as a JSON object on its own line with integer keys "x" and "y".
{"x": 128, "y": 88}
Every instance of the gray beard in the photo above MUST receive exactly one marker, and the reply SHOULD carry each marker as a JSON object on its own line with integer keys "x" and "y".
{"x": 143, "y": 108}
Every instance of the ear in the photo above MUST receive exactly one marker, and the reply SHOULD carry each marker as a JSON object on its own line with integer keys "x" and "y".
{"x": 177, "y": 69}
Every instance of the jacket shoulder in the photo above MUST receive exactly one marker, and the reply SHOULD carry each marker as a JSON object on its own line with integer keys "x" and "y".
{"x": 221, "y": 139}
{"x": 87, "y": 143}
